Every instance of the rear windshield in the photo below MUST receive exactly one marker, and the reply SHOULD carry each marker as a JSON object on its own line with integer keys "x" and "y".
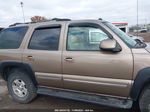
{"x": 11, "y": 38}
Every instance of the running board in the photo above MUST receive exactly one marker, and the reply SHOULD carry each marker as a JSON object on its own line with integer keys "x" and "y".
{"x": 90, "y": 98}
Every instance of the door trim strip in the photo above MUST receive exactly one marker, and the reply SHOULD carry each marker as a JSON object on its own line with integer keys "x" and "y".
{"x": 122, "y": 83}
{"x": 96, "y": 83}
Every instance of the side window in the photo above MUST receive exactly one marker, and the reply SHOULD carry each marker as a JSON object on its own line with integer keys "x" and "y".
{"x": 11, "y": 38}
{"x": 85, "y": 38}
{"x": 45, "y": 39}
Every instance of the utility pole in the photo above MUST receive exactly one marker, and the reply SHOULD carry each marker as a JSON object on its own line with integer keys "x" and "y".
{"x": 137, "y": 16}
{"x": 21, "y": 3}
{"x": 137, "y": 13}
{"x": 145, "y": 21}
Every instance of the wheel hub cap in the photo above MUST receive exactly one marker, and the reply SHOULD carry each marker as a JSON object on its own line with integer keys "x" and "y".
{"x": 19, "y": 88}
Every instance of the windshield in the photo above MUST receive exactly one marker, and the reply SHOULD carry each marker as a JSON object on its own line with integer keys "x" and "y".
{"x": 127, "y": 39}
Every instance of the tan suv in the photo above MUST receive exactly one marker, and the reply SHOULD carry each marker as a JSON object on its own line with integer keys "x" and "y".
{"x": 86, "y": 60}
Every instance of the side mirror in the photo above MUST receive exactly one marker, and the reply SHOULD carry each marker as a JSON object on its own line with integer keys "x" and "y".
{"x": 110, "y": 45}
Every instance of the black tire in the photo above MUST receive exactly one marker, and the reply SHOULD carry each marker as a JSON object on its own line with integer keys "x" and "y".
{"x": 135, "y": 107}
{"x": 144, "y": 99}
{"x": 31, "y": 90}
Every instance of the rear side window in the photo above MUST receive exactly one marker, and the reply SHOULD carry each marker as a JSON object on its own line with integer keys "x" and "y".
{"x": 45, "y": 39}
{"x": 11, "y": 38}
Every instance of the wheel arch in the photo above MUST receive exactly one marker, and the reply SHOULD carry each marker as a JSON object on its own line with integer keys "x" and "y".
{"x": 6, "y": 66}
{"x": 141, "y": 80}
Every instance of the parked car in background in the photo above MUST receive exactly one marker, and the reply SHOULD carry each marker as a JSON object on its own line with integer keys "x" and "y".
{"x": 136, "y": 37}
{"x": 143, "y": 30}
{"x": 140, "y": 40}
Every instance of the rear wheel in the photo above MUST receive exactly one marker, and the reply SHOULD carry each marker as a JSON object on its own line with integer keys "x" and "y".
{"x": 21, "y": 87}
{"x": 144, "y": 100}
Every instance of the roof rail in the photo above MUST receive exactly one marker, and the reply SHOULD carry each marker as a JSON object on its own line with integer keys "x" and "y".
{"x": 15, "y": 24}
{"x": 54, "y": 19}
{"x": 61, "y": 19}
{"x": 100, "y": 19}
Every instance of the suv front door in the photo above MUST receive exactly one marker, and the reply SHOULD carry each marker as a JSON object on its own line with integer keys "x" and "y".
{"x": 44, "y": 54}
{"x": 86, "y": 68}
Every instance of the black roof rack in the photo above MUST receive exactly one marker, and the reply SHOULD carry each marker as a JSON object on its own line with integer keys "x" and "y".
{"x": 100, "y": 19}
{"x": 60, "y": 19}
{"x": 54, "y": 19}
{"x": 21, "y": 23}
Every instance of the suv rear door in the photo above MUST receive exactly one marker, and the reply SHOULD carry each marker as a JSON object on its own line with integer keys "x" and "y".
{"x": 11, "y": 43}
{"x": 43, "y": 52}
{"x": 86, "y": 68}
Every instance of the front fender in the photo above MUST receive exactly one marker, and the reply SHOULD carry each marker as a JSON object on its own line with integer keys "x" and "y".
{"x": 142, "y": 78}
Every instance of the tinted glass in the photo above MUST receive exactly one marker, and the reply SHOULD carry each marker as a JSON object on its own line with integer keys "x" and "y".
{"x": 11, "y": 38}
{"x": 85, "y": 38}
{"x": 45, "y": 39}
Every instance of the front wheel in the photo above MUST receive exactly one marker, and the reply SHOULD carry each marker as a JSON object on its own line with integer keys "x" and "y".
{"x": 144, "y": 100}
{"x": 21, "y": 87}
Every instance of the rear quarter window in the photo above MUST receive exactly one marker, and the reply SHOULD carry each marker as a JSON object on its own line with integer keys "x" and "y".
{"x": 11, "y": 38}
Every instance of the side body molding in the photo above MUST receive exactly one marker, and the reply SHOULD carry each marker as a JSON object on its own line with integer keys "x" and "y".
{"x": 142, "y": 78}
{"x": 21, "y": 65}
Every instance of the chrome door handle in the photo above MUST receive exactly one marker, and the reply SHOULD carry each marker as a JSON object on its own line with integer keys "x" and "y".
{"x": 30, "y": 58}
{"x": 68, "y": 59}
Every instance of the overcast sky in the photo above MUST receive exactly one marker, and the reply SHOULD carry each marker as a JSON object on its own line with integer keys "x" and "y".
{"x": 110, "y": 10}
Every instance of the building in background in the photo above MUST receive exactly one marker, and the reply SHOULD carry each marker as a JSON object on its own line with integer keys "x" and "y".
{"x": 123, "y": 26}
